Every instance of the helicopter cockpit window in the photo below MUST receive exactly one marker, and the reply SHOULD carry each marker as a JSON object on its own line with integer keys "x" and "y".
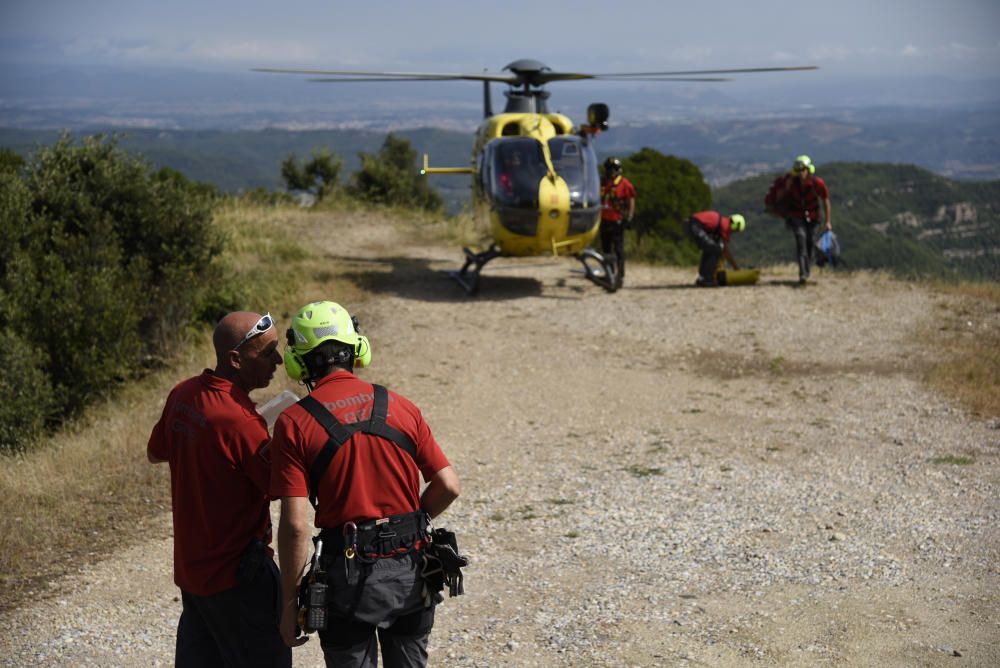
{"x": 576, "y": 163}
{"x": 517, "y": 166}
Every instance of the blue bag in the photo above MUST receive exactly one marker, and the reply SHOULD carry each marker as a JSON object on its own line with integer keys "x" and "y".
{"x": 828, "y": 249}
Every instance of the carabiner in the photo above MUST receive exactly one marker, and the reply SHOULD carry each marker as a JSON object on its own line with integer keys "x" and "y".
{"x": 350, "y": 546}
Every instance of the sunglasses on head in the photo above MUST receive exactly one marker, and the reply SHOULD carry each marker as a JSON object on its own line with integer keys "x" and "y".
{"x": 265, "y": 323}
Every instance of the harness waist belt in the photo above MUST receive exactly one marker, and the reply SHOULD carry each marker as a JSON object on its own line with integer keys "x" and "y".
{"x": 383, "y": 537}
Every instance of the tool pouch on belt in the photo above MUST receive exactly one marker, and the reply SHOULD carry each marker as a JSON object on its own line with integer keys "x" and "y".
{"x": 443, "y": 565}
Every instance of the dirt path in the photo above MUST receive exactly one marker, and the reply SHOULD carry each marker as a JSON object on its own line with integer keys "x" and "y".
{"x": 664, "y": 476}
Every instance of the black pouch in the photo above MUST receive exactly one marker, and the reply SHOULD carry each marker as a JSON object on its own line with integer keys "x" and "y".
{"x": 250, "y": 561}
{"x": 448, "y": 569}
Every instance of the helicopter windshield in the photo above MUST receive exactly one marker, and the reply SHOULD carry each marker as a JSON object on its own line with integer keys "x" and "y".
{"x": 576, "y": 163}
{"x": 516, "y": 166}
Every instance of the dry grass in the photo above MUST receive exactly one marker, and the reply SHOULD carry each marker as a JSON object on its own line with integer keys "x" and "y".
{"x": 86, "y": 490}
{"x": 90, "y": 488}
{"x": 967, "y": 328}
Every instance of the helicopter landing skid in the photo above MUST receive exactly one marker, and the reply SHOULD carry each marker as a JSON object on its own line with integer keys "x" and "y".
{"x": 599, "y": 269}
{"x": 468, "y": 275}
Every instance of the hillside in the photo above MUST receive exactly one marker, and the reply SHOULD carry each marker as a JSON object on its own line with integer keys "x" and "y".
{"x": 241, "y": 160}
{"x": 896, "y": 217}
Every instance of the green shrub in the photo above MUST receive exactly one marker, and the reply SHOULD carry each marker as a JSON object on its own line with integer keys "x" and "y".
{"x": 668, "y": 191}
{"x": 103, "y": 263}
{"x": 319, "y": 175}
{"x": 391, "y": 177}
{"x": 26, "y": 397}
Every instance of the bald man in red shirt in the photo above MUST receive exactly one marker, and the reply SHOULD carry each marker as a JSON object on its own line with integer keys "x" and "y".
{"x": 217, "y": 448}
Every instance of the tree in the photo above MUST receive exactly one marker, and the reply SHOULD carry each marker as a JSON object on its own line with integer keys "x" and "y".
{"x": 319, "y": 175}
{"x": 391, "y": 177}
{"x": 669, "y": 190}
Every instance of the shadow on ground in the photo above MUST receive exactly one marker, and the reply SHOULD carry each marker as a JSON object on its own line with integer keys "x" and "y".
{"x": 415, "y": 278}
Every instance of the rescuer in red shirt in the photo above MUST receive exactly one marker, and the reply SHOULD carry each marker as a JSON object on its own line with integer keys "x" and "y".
{"x": 710, "y": 230}
{"x": 796, "y": 197}
{"x": 217, "y": 448}
{"x": 617, "y": 211}
{"x": 357, "y": 451}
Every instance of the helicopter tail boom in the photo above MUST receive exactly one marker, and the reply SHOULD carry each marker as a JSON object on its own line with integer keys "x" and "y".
{"x": 427, "y": 169}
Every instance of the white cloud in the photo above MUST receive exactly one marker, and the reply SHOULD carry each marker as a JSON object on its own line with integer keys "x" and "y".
{"x": 827, "y": 53}
{"x": 910, "y": 51}
{"x": 783, "y": 56}
{"x": 256, "y": 51}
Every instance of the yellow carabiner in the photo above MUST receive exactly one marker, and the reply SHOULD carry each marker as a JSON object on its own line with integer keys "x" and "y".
{"x": 349, "y": 552}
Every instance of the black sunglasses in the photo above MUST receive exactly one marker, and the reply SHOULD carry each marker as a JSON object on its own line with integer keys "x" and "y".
{"x": 265, "y": 323}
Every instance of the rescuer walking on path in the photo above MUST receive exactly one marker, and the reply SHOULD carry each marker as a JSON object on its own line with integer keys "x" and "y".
{"x": 710, "y": 230}
{"x": 795, "y": 197}
{"x": 357, "y": 451}
{"x": 217, "y": 447}
{"x": 617, "y": 211}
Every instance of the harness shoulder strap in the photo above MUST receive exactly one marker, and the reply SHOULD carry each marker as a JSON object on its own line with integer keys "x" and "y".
{"x": 377, "y": 425}
{"x": 338, "y": 433}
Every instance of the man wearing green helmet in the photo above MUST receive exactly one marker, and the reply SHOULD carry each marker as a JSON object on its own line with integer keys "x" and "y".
{"x": 357, "y": 451}
{"x": 217, "y": 447}
{"x": 795, "y": 197}
{"x": 710, "y": 230}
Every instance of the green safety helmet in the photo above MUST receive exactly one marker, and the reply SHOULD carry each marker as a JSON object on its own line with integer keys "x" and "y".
{"x": 317, "y": 323}
{"x": 737, "y": 223}
{"x": 802, "y": 163}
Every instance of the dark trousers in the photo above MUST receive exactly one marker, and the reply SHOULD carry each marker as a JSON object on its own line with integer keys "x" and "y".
{"x": 353, "y": 644}
{"x": 711, "y": 250}
{"x": 804, "y": 242}
{"x": 613, "y": 241}
{"x": 372, "y": 605}
{"x": 234, "y": 628}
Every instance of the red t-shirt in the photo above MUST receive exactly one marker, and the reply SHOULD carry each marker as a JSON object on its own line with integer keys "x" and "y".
{"x": 216, "y": 444}
{"x": 714, "y": 223}
{"x": 370, "y": 477}
{"x": 797, "y": 199}
{"x": 615, "y": 194}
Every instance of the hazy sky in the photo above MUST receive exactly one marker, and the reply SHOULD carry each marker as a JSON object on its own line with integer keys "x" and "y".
{"x": 850, "y": 37}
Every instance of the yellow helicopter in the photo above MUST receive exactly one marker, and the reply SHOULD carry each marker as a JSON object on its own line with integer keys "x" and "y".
{"x": 535, "y": 172}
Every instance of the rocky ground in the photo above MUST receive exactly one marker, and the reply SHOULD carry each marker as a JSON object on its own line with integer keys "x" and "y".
{"x": 662, "y": 476}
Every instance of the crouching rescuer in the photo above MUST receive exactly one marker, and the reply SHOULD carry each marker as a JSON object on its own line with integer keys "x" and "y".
{"x": 356, "y": 452}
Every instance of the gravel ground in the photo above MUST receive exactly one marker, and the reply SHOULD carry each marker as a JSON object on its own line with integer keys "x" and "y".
{"x": 663, "y": 476}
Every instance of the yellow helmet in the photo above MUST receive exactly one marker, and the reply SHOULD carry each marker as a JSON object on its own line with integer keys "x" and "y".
{"x": 317, "y": 323}
{"x": 803, "y": 163}
{"x": 737, "y": 223}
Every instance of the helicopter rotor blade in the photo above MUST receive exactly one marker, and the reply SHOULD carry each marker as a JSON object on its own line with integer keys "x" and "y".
{"x": 370, "y": 79}
{"x": 529, "y": 74}
{"x": 701, "y": 79}
{"x": 681, "y": 73}
{"x": 361, "y": 75}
